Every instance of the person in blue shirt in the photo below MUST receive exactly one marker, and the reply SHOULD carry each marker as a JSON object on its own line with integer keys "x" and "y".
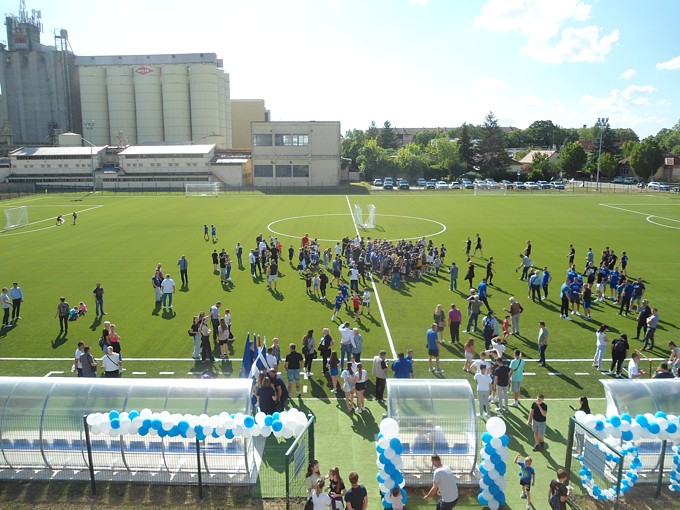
{"x": 575, "y": 296}
{"x": 344, "y": 289}
{"x": 433, "y": 348}
{"x": 402, "y": 368}
{"x": 527, "y": 478}
{"x": 483, "y": 293}
{"x": 624, "y": 263}
{"x": 338, "y": 304}
{"x": 214, "y": 233}
{"x": 564, "y": 295}
{"x": 626, "y": 296}
{"x": 614, "y": 280}
{"x": 205, "y": 232}
{"x": 546, "y": 278}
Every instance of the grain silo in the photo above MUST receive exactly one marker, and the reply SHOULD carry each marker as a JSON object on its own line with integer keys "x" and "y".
{"x": 148, "y": 104}
{"x": 176, "y": 107}
{"x": 203, "y": 93}
{"x": 121, "y": 101}
{"x": 94, "y": 103}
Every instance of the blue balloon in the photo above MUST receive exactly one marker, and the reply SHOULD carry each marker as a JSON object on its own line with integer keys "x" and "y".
{"x": 495, "y": 459}
{"x": 404, "y": 496}
{"x": 277, "y": 425}
{"x": 268, "y": 420}
{"x": 396, "y": 445}
{"x": 390, "y": 469}
{"x": 133, "y": 414}
{"x": 599, "y": 425}
{"x": 115, "y": 423}
{"x": 582, "y": 472}
{"x": 615, "y": 421}
{"x": 386, "y": 503}
{"x": 597, "y": 491}
{"x": 249, "y": 422}
{"x": 113, "y": 414}
{"x": 215, "y": 434}
{"x": 143, "y": 431}
{"x": 198, "y": 429}
{"x": 627, "y": 435}
{"x": 486, "y": 438}
{"x": 162, "y": 433}
{"x": 200, "y": 436}
{"x": 183, "y": 426}
{"x": 276, "y": 416}
{"x": 482, "y": 500}
{"x": 626, "y": 417}
{"x": 625, "y": 489}
{"x": 229, "y": 434}
{"x": 641, "y": 420}
{"x": 379, "y": 448}
{"x": 146, "y": 423}
{"x": 654, "y": 428}
{"x": 482, "y": 470}
{"x": 382, "y": 459}
{"x": 379, "y": 478}
{"x": 501, "y": 499}
{"x": 489, "y": 449}
{"x": 501, "y": 468}
{"x": 660, "y": 414}
{"x": 488, "y": 481}
{"x": 157, "y": 424}
{"x": 672, "y": 428}
{"x": 505, "y": 440}
{"x": 398, "y": 478}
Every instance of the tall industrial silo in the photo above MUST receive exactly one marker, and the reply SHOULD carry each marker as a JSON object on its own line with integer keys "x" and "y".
{"x": 149, "y": 103}
{"x": 94, "y": 104}
{"x": 203, "y": 90}
{"x": 227, "y": 94}
{"x": 121, "y": 96}
{"x": 176, "y": 106}
{"x": 221, "y": 111}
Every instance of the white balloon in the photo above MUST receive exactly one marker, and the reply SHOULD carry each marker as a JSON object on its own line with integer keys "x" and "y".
{"x": 94, "y": 419}
{"x": 663, "y": 423}
{"x": 389, "y": 483}
{"x": 214, "y": 421}
{"x": 487, "y": 495}
{"x": 265, "y": 431}
{"x": 485, "y": 455}
{"x": 164, "y": 415}
{"x": 383, "y": 488}
{"x": 249, "y": 432}
{"x": 125, "y": 428}
{"x": 495, "y": 426}
{"x": 105, "y": 426}
{"x": 277, "y": 433}
{"x": 493, "y": 504}
{"x": 167, "y": 425}
{"x": 238, "y": 430}
{"x": 384, "y": 443}
{"x": 502, "y": 484}
{"x": 482, "y": 485}
{"x": 497, "y": 443}
{"x": 398, "y": 462}
{"x": 114, "y": 432}
{"x": 625, "y": 426}
{"x": 389, "y": 428}
{"x": 145, "y": 413}
{"x": 191, "y": 433}
{"x": 96, "y": 429}
{"x": 390, "y": 453}
{"x": 229, "y": 423}
{"x": 259, "y": 418}
{"x": 287, "y": 432}
{"x": 580, "y": 416}
{"x": 503, "y": 454}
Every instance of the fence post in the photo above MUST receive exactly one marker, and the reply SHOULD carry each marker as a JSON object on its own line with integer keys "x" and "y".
{"x": 570, "y": 445}
{"x": 287, "y": 467}
{"x": 310, "y": 441}
{"x": 198, "y": 463}
{"x": 89, "y": 454}
{"x": 659, "y": 481}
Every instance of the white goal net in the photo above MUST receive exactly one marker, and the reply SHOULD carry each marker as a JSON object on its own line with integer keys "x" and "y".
{"x": 370, "y": 221}
{"x": 208, "y": 189}
{"x": 16, "y": 217}
{"x": 358, "y": 216}
{"x": 490, "y": 189}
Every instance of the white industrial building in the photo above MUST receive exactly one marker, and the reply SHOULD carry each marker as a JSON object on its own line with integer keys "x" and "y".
{"x": 151, "y": 99}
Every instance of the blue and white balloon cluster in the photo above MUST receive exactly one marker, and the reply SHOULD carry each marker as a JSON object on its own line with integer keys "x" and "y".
{"x": 625, "y": 428}
{"x": 627, "y": 482}
{"x": 389, "y": 449}
{"x": 494, "y": 464}
{"x": 675, "y": 474}
{"x": 145, "y": 422}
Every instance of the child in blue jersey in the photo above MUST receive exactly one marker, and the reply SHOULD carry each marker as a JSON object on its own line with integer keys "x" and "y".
{"x": 624, "y": 263}
{"x": 338, "y": 304}
{"x": 575, "y": 296}
{"x": 614, "y": 282}
{"x": 205, "y": 233}
{"x": 344, "y": 290}
{"x": 527, "y": 478}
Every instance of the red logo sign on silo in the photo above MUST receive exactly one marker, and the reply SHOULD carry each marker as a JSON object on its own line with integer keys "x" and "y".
{"x": 143, "y": 70}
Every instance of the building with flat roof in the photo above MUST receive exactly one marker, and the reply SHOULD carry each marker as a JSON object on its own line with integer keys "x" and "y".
{"x": 288, "y": 154}
{"x": 152, "y": 99}
{"x": 243, "y": 112}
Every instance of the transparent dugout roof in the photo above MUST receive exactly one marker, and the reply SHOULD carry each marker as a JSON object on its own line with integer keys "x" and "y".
{"x": 642, "y": 396}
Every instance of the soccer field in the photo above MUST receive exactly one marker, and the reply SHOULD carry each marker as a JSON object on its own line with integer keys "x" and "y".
{"x": 119, "y": 240}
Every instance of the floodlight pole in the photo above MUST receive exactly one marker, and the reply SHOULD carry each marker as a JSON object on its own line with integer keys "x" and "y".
{"x": 89, "y": 125}
{"x": 602, "y": 123}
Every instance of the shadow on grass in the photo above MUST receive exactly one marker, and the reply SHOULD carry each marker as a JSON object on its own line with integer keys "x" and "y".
{"x": 276, "y": 294}
{"x": 184, "y": 287}
{"x": 227, "y": 286}
{"x": 59, "y": 341}
{"x": 156, "y": 311}
{"x": 169, "y": 314}
{"x": 96, "y": 323}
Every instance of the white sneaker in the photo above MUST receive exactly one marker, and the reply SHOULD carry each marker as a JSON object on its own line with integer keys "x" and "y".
{"x": 439, "y": 371}
{"x": 572, "y": 312}
{"x": 431, "y": 369}
{"x": 514, "y": 404}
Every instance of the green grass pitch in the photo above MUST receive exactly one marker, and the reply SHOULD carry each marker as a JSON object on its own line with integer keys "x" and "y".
{"x": 119, "y": 240}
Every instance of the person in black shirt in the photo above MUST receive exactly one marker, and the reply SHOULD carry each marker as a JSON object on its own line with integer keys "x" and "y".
{"x": 663, "y": 372}
{"x": 502, "y": 381}
{"x": 537, "y": 420}
{"x": 357, "y": 496}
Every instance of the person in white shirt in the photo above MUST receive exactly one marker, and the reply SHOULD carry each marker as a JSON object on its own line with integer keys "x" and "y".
{"x": 482, "y": 361}
{"x": 634, "y": 371}
{"x": 346, "y": 342}
{"x": 600, "y": 346}
{"x": 320, "y": 500}
{"x": 444, "y": 484}
{"x": 112, "y": 363}
{"x": 353, "y": 278}
{"x": 168, "y": 289}
{"x": 360, "y": 386}
{"x": 483, "y": 390}
{"x": 366, "y": 301}
{"x": 79, "y": 352}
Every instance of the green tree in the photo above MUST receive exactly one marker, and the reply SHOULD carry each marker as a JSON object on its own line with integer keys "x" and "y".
{"x": 351, "y": 145}
{"x": 541, "y": 133}
{"x": 669, "y": 139}
{"x": 609, "y": 165}
{"x": 646, "y": 158}
{"x": 466, "y": 149}
{"x": 542, "y": 164}
{"x": 625, "y": 135}
{"x": 571, "y": 159}
{"x": 424, "y": 137}
{"x": 372, "y": 132}
{"x": 387, "y": 139}
{"x": 627, "y": 148}
{"x": 375, "y": 161}
{"x": 445, "y": 157}
{"x": 410, "y": 161}
{"x": 515, "y": 138}
{"x": 493, "y": 159}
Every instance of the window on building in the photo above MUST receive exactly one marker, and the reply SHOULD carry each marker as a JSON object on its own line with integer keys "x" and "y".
{"x": 301, "y": 140}
{"x": 262, "y": 140}
{"x": 291, "y": 140}
{"x": 284, "y": 171}
{"x": 263, "y": 171}
{"x": 300, "y": 170}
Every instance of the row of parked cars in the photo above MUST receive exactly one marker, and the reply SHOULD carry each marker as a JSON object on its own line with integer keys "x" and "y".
{"x": 465, "y": 183}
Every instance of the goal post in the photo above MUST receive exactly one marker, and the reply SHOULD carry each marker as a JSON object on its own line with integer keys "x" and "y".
{"x": 358, "y": 216}
{"x": 16, "y": 217}
{"x": 489, "y": 190}
{"x": 206, "y": 189}
{"x": 370, "y": 221}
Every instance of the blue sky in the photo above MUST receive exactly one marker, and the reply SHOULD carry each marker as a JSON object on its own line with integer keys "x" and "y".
{"x": 417, "y": 63}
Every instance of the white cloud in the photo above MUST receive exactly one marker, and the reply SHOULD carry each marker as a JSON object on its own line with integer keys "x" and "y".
{"x": 669, "y": 65}
{"x": 627, "y": 74}
{"x": 421, "y": 3}
{"x": 622, "y": 106}
{"x": 542, "y": 21}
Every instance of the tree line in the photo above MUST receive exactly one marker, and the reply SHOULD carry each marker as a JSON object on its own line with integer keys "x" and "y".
{"x": 481, "y": 150}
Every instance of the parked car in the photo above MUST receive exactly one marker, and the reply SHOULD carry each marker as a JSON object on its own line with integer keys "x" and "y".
{"x": 377, "y": 182}
{"x": 454, "y": 185}
{"x": 389, "y": 183}
{"x": 543, "y": 184}
{"x": 491, "y": 184}
{"x": 404, "y": 185}
{"x": 421, "y": 182}
{"x": 519, "y": 185}
{"x": 531, "y": 185}
{"x": 507, "y": 184}
{"x": 442, "y": 185}
{"x": 629, "y": 180}
{"x": 557, "y": 185}
{"x": 659, "y": 186}
{"x": 467, "y": 183}
{"x": 618, "y": 180}
{"x": 430, "y": 184}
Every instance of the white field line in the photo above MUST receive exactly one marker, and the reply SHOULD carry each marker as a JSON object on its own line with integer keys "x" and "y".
{"x": 375, "y": 290}
{"x": 65, "y": 215}
{"x": 648, "y": 215}
{"x": 54, "y": 372}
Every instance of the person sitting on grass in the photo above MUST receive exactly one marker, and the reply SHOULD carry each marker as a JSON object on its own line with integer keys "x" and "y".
{"x": 527, "y": 478}
{"x": 82, "y": 309}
